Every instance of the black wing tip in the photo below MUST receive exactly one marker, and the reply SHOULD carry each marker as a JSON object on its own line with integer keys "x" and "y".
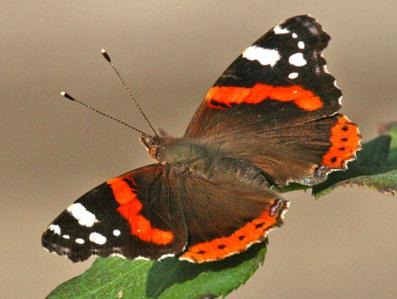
{"x": 310, "y": 25}
{"x": 301, "y": 27}
{"x": 53, "y": 244}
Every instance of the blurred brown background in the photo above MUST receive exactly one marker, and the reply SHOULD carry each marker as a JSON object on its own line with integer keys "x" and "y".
{"x": 52, "y": 151}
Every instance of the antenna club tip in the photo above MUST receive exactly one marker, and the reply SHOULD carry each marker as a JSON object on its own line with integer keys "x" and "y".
{"x": 105, "y": 55}
{"x": 67, "y": 96}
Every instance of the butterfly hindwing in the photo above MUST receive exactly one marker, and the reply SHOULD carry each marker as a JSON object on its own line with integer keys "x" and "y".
{"x": 226, "y": 220}
{"x": 133, "y": 215}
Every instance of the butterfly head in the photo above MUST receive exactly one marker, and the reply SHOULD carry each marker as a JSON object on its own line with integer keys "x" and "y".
{"x": 152, "y": 144}
{"x": 168, "y": 149}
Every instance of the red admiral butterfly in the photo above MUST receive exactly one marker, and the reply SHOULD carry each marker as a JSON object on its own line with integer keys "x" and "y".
{"x": 270, "y": 119}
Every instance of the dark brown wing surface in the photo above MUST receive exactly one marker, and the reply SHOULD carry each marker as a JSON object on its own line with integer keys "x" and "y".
{"x": 223, "y": 220}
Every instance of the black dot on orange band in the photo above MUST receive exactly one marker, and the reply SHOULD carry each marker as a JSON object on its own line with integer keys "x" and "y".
{"x": 259, "y": 225}
{"x": 221, "y": 246}
{"x": 201, "y": 252}
{"x": 345, "y": 128}
{"x": 333, "y": 159}
{"x": 344, "y": 139}
{"x": 342, "y": 149}
{"x": 242, "y": 237}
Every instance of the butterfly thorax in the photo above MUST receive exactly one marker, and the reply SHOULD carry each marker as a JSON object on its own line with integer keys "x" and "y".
{"x": 174, "y": 151}
{"x": 203, "y": 161}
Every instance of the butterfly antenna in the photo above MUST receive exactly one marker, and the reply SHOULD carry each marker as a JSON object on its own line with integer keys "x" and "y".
{"x": 69, "y": 97}
{"x": 106, "y": 55}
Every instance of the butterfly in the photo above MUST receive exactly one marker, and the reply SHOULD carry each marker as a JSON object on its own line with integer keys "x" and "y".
{"x": 270, "y": 119}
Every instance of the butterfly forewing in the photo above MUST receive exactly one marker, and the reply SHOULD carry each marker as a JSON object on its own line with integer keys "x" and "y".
{"x": 134, "y": 215}
{"x": 279, "y": 94}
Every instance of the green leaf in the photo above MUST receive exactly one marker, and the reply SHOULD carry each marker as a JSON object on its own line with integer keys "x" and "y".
{"x": 170, "y": 278}
{"x": 375, "y": 166}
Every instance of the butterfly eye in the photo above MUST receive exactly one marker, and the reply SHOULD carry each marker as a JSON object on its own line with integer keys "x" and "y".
{"x": 153, "y": 152}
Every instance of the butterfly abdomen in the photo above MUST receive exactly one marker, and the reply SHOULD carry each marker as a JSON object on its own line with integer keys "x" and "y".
{"x": 231, "y": 171}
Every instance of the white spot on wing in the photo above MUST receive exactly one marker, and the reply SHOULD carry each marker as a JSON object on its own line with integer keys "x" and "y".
{"x": 186, "y": 259}
{"x": 262, "y": 55}
{"x": 79, "y": 241}
{"x": 293, "y": 75}
{"x": 116, "y": 232}
{"x": 294, "y": 35}
{"x": 55, "y": 229}
{"x": 301, "y": 45}
{"x": 297, "y": 59}
{"x": 269, "y": 231}
{"x": 97, "y": 238}
{"x": 82, "y": 215}
{"x": 165, "y": 256}
{"x": 141, "y": 258}
{"x": 67, "y": 237}
{"x": 279, "y": 30}
{"x": 287, "y": 205}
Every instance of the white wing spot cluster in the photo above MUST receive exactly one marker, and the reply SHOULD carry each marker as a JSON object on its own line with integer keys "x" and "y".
{"x": 294, "y": 35}
{"x": 56, "y": 229}
{"x": 262, "y": 55}
{"x": 82, "y": 215}
{"x": 297, "y": 59}
{"x": 279, "y": 30}
{"x": 79, "y": 241}
{"x": 97, "y": 238}
{"x": 116, "y": 232}
{"x": 301, "y": 45}
{"x": 293, "y": 75}
{"x": 67, "y": 237}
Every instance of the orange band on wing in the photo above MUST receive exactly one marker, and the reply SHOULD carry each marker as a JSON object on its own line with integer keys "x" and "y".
{"x": 238, "y": 241}
{"x": 130, "y": 208}
{"x": 345, "y": 142}
{"x": 228, "y": 95}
